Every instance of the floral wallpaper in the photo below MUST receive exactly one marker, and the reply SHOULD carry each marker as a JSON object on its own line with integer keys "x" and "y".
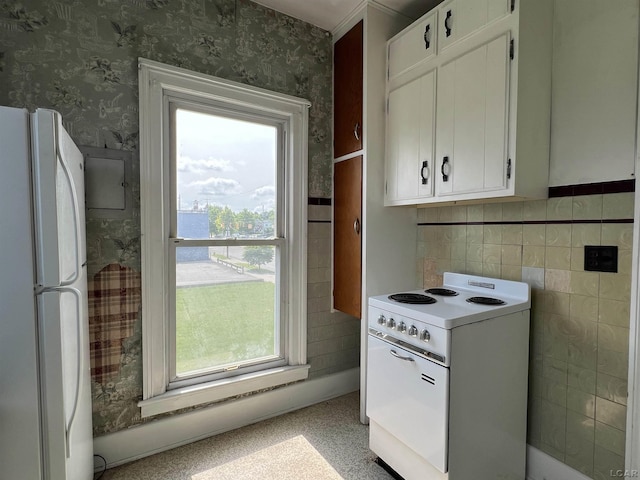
{"x": 79, "y": 57}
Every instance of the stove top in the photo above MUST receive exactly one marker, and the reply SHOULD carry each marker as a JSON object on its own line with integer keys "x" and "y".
{"x": 462, "y": 299}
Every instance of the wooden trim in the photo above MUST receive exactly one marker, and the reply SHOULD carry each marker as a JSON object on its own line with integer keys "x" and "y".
{"x": 172, "y": 431}
{"x": 542, "y": 465}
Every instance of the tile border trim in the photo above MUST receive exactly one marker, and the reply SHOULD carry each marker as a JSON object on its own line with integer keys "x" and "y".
{"x": 326, "y": 202}
{"x": 618, "y": 186}
{"x": 530, "y": 222}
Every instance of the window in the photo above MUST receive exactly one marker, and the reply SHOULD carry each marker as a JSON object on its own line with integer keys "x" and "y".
{"x": 223, "y": 214}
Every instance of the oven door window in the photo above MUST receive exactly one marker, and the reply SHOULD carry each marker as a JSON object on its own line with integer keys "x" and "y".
{"x": 407, "y": 396}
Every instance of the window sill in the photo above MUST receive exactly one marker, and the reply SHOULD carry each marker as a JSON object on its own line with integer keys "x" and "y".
{"x": 220, "y": 389}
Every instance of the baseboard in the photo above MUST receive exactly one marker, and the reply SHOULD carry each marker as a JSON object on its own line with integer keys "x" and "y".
{"x": 541, "y": 466}
{"x": 171, "y": 432}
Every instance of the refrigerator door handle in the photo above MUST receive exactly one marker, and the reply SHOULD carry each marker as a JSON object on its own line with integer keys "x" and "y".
{"x": 76, "y": 211}
{"x": 76, "y": 293}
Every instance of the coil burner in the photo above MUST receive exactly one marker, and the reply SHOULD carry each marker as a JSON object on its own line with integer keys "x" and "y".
{"x": 414, "y": 298}
{"x": 486, "y": 301}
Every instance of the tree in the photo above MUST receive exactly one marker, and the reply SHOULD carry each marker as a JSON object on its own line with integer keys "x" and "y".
{"x": 265, "y": 222}
{"x": 214, "y": 212}
{"x": 246, "y": 221}
{"x": 258, "y": 255}
{"x": 226, "y": 221}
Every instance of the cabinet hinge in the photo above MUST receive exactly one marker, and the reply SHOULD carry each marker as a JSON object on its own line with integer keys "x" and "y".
{"x": 513, "y": 5}
{"x": 511, "y": 49}
{"x": 509, "y": 169}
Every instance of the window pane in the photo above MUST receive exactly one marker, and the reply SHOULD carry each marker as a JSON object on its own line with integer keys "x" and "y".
{"x": 225, "y": 177}
{"x": 225, "y": 307}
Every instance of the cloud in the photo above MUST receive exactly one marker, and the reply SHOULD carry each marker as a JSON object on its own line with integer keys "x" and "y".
{"x": 268, "y": 191}
{"x": 190, "y": 165}
{"x": 216, "y": 186}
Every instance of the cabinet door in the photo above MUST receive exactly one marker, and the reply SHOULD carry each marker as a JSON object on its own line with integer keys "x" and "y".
{"x": 459, "y": 18}
{"x": 472, "y": 120}
{"x": 413, "y": 46}
{"x": 410, "y": 140}
{"x": 347, "y": 243}
{"x": 347, "y": 93}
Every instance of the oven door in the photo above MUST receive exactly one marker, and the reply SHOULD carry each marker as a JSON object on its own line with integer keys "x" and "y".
{"x": 407, "y": 395}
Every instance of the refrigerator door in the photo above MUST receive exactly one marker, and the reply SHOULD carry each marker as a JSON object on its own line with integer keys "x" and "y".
{"x": 20, "y": 445}
{"x": 58, "y": 180}
{"x": 59, "y": 204}
{"x": 64, "y": 340}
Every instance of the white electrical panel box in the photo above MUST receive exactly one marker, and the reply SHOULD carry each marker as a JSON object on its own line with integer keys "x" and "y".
{"x": 107, "y": 178}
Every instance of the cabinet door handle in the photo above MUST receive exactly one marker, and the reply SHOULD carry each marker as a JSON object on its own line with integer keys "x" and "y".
{"x": 445, "y": 163}
{"x": 447, "y": 23}
{"x": 427, "y": 36}
{"x": 356, "y": 226}
{"x": 423, "y": 169}
{"x": 355, "y": 131}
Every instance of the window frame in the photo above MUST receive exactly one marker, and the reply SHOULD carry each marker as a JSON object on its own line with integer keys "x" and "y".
{"x": 159, "y": 86}
{"x": 278, "y": 241}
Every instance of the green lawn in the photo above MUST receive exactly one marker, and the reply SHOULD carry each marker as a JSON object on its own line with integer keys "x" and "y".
{"x": 223, "y": 324}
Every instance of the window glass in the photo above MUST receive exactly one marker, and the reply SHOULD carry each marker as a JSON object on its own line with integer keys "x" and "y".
{"x": 227, "y": 168}
{"x": 225, "y": 316}
{"x": 226, "y": 300}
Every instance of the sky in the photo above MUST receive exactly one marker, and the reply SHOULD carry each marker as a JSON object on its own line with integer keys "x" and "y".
{"x": 225, "y": 162}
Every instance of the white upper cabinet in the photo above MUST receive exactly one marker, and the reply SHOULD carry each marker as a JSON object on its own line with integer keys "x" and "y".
{"x": 483, "y": 129}
{"x": 410, "y": 148}
{"x": 417, "y": 44}
{"x": 472, "y": 120}
{"x": 460, "y": 18}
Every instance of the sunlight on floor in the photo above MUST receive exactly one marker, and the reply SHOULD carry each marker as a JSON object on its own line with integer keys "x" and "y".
{"x": 293, "y": 459}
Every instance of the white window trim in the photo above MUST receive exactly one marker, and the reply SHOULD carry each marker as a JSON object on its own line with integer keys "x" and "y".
{"x": 157, "y": 80}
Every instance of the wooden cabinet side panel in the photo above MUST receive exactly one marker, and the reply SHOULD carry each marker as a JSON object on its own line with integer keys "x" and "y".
{"x": 348, "y": 91}
{"x": 347, "y": 239}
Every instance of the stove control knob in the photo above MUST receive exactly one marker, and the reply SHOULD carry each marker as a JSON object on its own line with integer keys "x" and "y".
{"x": 425, "y": 335}
{"x": 402, "y": 327}
{"x": 413, "y": 331}
{"x": 382, "y": 320}
{"x": 391, "y": 323}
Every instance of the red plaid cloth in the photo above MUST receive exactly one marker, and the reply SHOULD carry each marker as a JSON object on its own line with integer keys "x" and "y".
{"x": 114, "y": 300}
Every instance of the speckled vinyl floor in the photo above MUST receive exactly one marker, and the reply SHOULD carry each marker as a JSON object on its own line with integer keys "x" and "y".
{"x": 324, "y": 441}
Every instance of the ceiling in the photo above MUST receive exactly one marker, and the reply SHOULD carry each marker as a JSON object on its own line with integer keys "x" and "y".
{"x": 328, "y": 14}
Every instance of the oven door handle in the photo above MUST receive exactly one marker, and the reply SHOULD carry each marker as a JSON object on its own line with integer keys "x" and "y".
{"x": 406, "y": 359}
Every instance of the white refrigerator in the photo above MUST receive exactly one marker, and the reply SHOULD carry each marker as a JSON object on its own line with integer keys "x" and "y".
{"x": 45, "y": 398}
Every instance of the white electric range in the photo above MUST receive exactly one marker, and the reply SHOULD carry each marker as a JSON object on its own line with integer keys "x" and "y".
{"x": 447, "y": 379}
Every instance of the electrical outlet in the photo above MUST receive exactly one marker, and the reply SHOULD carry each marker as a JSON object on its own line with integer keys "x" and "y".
{"x": 601, "y": 258}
